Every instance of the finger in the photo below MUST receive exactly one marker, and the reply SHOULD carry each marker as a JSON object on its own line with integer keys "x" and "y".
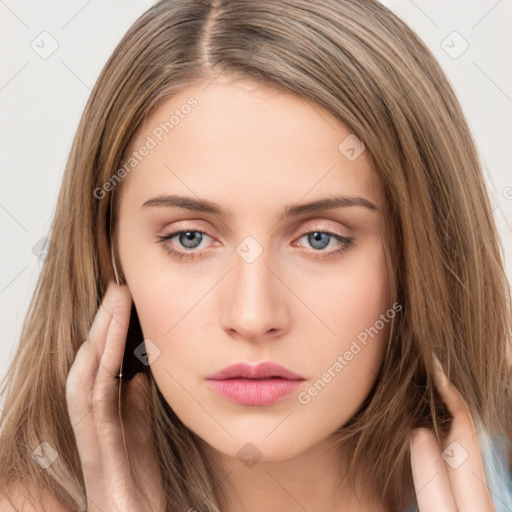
{"x": 106, "y": 387}
{"x": 82, "y": 375}
{"x": 115, "y": 309}
{"x": 79, "y": 391}
{"x": 114, "y": 296}
{"x": 462, "y": 452}
{"x": 431, "y": 482}
{"x": 119, "y": 304}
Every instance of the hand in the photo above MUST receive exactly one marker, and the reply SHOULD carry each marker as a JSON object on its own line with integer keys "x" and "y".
{"x": 453, "y": 479}
{"x": 92, "y": 393}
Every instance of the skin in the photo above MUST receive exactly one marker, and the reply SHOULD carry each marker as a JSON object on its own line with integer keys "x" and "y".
{"x": 291, "y": 305}
{"x": 253, "y": 150}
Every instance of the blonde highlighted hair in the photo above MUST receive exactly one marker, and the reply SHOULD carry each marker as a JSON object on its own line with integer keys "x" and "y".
{"x": 372, "y": 72}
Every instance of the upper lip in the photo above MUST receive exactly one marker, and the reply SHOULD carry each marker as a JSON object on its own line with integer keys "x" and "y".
{"x": 260, "y": 371}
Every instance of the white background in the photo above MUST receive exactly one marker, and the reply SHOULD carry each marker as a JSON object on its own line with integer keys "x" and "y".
{"x": 41, "y": 101}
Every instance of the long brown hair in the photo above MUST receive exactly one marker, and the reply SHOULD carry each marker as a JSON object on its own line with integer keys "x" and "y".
{"x": 369, "y": 69}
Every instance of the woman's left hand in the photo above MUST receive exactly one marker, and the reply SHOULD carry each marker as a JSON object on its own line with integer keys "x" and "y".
{"x": 451, "y": 478}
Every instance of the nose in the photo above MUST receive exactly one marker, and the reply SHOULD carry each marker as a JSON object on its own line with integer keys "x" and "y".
{"x": 256, "y": 308}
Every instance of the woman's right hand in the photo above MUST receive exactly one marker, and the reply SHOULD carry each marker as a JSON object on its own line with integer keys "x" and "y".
{"x": 92, "y": 393}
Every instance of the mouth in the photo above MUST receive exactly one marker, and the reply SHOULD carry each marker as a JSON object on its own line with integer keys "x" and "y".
{"x": 260, "y": 385}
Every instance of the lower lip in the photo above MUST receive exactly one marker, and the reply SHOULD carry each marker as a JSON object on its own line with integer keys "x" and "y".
{"x": 255, "y": 391}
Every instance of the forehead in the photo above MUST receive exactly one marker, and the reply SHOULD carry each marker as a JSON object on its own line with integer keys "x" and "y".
{"x": 243, "y": 134}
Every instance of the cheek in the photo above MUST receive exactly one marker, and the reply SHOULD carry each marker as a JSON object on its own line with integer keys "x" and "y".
{"x": 355, "y": 305}
{"x": 162, "y": 291}
{"x": 165, "y": 304}
{"x": 351, "y": 298}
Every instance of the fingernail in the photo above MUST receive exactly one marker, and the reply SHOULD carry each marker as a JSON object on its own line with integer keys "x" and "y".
{"x": 439, "y": 368}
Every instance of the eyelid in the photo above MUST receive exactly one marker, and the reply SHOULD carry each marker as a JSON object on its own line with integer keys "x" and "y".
{"x": 319, "y": 227}
{"x": 171, "y": 234}
{"x": 304, "y": 231}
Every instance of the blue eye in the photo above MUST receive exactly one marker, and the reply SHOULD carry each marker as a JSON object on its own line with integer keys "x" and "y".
{"x": 319, "y": 240}
{"x": 191, "y": 239}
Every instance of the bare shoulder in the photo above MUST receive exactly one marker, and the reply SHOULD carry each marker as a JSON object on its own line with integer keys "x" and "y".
{"x": 17, "y": 502}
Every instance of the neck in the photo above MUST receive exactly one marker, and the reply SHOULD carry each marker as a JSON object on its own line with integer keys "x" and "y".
{"x": 310, "y": 481}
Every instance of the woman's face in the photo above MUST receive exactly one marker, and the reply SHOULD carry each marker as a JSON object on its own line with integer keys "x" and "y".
{"x": 255, "y": 276}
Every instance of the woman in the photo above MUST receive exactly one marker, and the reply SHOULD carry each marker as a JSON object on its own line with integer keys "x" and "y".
{"x": 273, "y": 215}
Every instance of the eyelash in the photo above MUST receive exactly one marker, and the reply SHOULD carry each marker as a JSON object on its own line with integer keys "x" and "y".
{"x": 346, "y": 243}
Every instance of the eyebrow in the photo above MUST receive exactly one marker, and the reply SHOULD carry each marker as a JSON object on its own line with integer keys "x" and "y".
{"x": 292, "y": 210}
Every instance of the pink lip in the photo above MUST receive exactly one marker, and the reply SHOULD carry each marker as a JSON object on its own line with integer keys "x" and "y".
{"x": 260, "y": 385}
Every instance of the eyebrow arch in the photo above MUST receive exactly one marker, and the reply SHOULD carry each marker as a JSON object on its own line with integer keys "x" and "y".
{"x": 292, "y": 210}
